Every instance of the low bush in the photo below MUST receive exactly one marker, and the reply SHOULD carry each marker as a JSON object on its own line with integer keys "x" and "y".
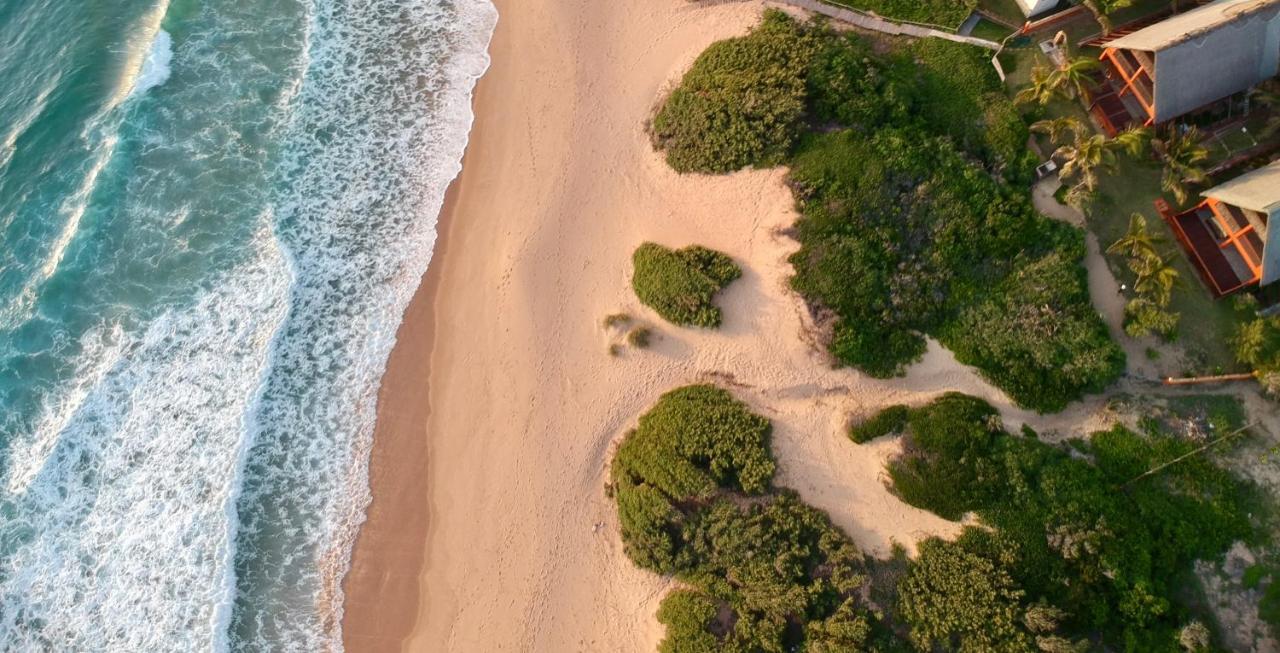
{"x": 680, "y": 284}
{"x": 889, "y": 420}
{"x": 640, "y": 337}
{"x": 765, "y": 572}
{"x": 1108, "y": 548}
{"x": 742, "y": 102}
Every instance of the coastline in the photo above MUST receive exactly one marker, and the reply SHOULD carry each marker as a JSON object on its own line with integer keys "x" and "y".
{"x": 490, "y": 527}
{"x": 388, "y": 555}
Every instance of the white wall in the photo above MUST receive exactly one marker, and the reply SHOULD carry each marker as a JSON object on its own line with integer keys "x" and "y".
{"x": 1033, "y": 7}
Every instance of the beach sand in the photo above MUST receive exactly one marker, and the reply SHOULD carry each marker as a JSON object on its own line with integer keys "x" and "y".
{"x": 490, "y": 528}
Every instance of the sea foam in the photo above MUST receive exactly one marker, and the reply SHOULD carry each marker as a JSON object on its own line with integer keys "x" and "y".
{"x": 155, "y": 69}
{"x": 195, "y": 480}
{"x": 370, "y": 151}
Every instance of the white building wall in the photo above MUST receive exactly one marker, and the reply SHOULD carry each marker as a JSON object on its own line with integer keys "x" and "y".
{"x": 1033, "y": 7}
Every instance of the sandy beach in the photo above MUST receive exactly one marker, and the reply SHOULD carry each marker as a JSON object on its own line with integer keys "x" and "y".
{"x": 490, "y": 528}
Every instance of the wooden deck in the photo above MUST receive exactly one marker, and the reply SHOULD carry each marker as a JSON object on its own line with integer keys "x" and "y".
{"x": 1202, "y": 248}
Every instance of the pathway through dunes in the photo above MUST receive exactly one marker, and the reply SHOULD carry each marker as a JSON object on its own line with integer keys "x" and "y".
{"x": 525, "y": 402}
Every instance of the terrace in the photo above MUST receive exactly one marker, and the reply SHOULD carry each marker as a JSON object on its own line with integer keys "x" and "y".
{"x": 1125, "y": 90}
{"x": 1223, "y": 241}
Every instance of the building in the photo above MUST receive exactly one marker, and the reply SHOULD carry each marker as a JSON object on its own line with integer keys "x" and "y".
{"x": 1187, "y": 61}
{"x": 1226, "y": 234}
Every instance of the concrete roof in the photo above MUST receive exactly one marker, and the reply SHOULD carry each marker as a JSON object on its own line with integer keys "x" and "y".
{"x": 1189, "y": 25}
{"x": 1257, "y": 191}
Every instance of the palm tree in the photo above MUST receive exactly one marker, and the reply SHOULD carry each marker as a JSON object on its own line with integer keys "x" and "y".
{"x": 1040, "y": 90}
{"x": 1074, "y": 78}
{"x": 1103, "y": 8}
{"x": 1268, "y": 95}
{"x": 1132, "y": 140}
{"x": 1156, "y": 278}
{"x": 1138, "y": 241}
{"x": 1182, "y": 154}
{"x": 1056, "y": 128}
{"x": 1085, "y": 155}
{"x": 1249, "y": 341}
{"x": 1071, "y": 80}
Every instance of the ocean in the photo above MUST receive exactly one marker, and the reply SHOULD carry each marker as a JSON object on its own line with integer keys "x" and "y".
{"x": 213, "y": 215}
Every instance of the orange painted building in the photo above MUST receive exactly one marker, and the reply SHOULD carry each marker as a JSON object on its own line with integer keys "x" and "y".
{"x": 1226, "y": 234}
{"x": 1186, "y": 62}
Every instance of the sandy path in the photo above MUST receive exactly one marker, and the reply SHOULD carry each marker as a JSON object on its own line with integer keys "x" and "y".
{"x": 560, "y": 185}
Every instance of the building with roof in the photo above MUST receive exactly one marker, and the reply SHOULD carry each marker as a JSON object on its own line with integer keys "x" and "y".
{"x": 1226, "y": 234}
{"x": 1187, "y": 61}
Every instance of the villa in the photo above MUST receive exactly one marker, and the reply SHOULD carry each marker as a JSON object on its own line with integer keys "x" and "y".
{"x": 1186, "y": 62}
{"x": 1226, "y": 234}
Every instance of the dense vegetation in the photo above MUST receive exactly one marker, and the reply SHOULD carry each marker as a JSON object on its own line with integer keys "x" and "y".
{"x": 913, "y": 219}
{"x": 902, "y": 236}
{"x": 746, "y": 101}
{"x": 1072, "y": 547}
{"x": 1075, "y": 550}
{"x": 765, "y": 572}
{"x": 680, "y": 284}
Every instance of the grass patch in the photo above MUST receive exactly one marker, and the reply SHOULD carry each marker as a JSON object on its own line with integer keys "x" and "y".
{"x": 1105, "y": 552}
{"x": 680, "y": 284}
{"x": 1006, "y": 9}
{"x": 990, "y": 31}
{"x": 1206, "y": 338}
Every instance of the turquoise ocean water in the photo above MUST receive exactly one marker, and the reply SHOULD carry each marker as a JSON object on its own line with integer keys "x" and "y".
{"x": 212, "y": 215}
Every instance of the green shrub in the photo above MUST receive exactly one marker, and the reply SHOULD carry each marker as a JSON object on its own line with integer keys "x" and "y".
{"x": 960, "y": 96}
{"x": 901, "y": 235}
{"x": 956, "y": 600}
{"x": 889, "y": 420}
{"x": 688, "y": 616}
{"x": 1269, "y": 607}
{"x": 680, "y": 284}
{"x": 1096, "y": 539}
{"x": 765, "y": 571}
{"x": 639, "y": 337}
{"x": 741, "y": 103}
{"x": 1037, "y": 336}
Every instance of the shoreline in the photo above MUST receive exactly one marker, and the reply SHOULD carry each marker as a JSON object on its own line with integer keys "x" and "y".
{"x": 387, "y": 554}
